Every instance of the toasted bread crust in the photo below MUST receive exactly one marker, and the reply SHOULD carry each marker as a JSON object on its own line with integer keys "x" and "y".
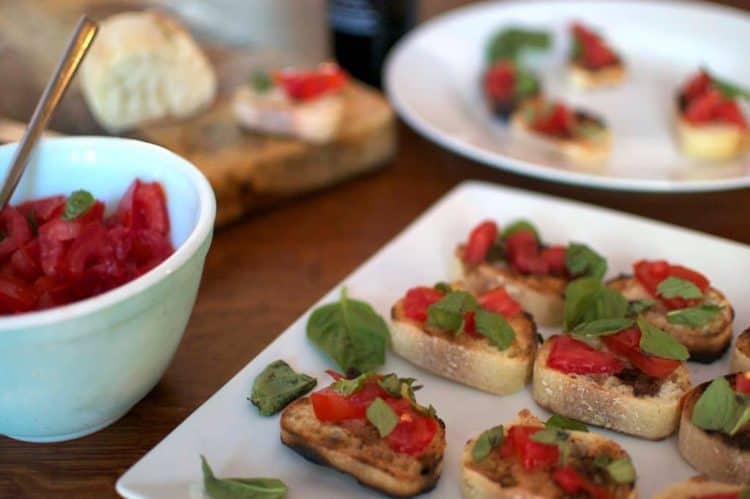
{"x": 354, "y": 447}
{"x": 711, "y": 142}
{"x": 478, "y": 483}
{"x": 710, "y": 452}
{"x": 541, "y": 296}
{"x": 583, "y": 78}
{"x": 741, "y": 353}
{"x": 603, "y": 400}
{"x": 696, "y": 487}
{"x": 706, "y": 343}
{"x": 472, "y": 361}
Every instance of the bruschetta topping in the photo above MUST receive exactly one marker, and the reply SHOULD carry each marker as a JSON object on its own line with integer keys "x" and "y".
{"x": 557, "y": 120}
{"x": 569, "y": 355}
{"x": 675, "y": 286}
{"x": 707, "y": 100}
{"x": 628, "y": 344}
{"x": 724, "y": 407}
{"x": 302, "y": 85}
{"x": 506, "y": 85}
{"x": 590, "y": 50}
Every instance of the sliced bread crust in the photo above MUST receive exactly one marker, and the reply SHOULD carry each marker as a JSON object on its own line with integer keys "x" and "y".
{"x": 696, "y": 487}
{"x": 711, "y": 142}
{"x": 587, "y": 79}
{"x": 607, "y": 401}
{"x": 354, "y": 447}
{"x": 741, "y": 353}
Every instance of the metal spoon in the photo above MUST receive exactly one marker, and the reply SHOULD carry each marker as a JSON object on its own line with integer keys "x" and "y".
{"x": 53, "y": 94}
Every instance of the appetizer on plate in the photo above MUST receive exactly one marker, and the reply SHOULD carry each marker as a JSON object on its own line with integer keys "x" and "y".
{"x": 592, "y": 62}
{"x": 710, "y": 123}
{"x": 741, "y": 353}
{"x": 528, "y": 459}
{"x": 533, "y": 273}
{"x": 576, "y": 134}
{"x": 617, "y": 373}
{"x": 715, "y": 428}
{"x": 372, "y": 428}
{"x": 702, "y": 488}
{"x": 483, "y": 341}
{"x": 306, "y": 104}
{"x": 680, "y": 301}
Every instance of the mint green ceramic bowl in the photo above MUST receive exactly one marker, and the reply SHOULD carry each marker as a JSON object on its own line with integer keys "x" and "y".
{"x": 72, "y": 370}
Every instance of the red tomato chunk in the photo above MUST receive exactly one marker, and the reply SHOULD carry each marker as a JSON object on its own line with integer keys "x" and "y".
{"x": 572, "y": 356}
{"x": 50, "y": 256}
{"x": 533, "y": 455}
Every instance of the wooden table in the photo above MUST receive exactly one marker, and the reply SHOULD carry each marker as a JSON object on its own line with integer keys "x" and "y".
{"x": 264, "y": 272}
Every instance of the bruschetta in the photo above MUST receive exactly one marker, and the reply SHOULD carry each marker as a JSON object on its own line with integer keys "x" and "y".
{"x": 308, "y": 105}
{"x": 682, "y": 302}
{"x": 608, "y": 376}
{"x": 484, "y": 341}
{"x": 533, "y": 273}
{"x": 702, "y": 488}
{"x": 715, "y": 428}
{"x": 592, "y": 62}
{"x": 710, "y": 122}
{"x": 741, "y": 353}
{"x": 506, "y": 86}
{"x": 526, "y": 459}
{"x": 372, "y": 428}
{"x": 577, "y": 135}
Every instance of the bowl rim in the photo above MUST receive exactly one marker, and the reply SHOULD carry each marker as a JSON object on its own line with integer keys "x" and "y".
{"x": 202, "y": 229}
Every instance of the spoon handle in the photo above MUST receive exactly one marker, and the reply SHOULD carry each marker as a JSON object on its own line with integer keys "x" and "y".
{"x": 53, "y": 93}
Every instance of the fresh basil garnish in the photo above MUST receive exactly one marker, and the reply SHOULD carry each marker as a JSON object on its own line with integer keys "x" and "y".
{"x": 240, "y": 488}
{"x": 443, "y": 287}
{"x": 495, "y": 328}
{"x": 78, "y": 203}
{"x": 510, "y": 43}
{"x": 636, "y": 307}
{"x": 557, "y": 437}
{"x": 519, "y": 226}
{"x": 526, "y": 84}
{"x": 674, "y": 287}
{"x": 582, "y": 261}
{"x": 719, "y": 408}
{"x": 621, "y": 470}
{"x": 587, "y": 299}
{"x": 346, "y": 387}
{"x": 693, "y": 316}
{"x": 351, "y": 333}
{"x": 448, "y": 313}
{"x": 382, "y": 416}
{"x": 656, "y": 342}
{"x": 601, "y": 327}
{"x": 488, "y": 441}
{"x": 392, "y": 384}
{"x": 261, "y": 81}
{"x": 559, "y": 422}
{"x": 277, "y": 385}
{"x": 576, "y": 49}
{"x": 729, "y": 89}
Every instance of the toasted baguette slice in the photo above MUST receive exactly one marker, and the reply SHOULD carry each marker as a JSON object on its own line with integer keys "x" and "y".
{"x": 696, "y": 487}
{"x": 716, "y": 455}
{"x": 741, "y": 353}
{"x": 587, "y": 79}
{"x": 472, "y": 361}
{"x": 541, "y": 296}
{"x": 711, "y": 142}
{"x": 705, "y": 343}
{"x": 505, "y": 478}
{"x": 611, "y": 401}
{"x": 354, "y": 447}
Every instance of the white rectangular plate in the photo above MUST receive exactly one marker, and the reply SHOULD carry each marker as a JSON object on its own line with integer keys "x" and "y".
{"x": 239, "y": 442}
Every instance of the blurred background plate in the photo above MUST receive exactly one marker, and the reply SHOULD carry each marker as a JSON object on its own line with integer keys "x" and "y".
{"x": 432, "y": 79}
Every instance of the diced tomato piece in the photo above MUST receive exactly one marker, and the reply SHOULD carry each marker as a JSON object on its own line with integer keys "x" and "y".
{"x": 533, "y": 455}
{"x": 15, "y": 295}
{"x": 44, "y": 209}
{"x": 24, "y": 261}
{"x": 650, "y": 273}
{"x": 572, "y": 482}
{"x": 556, "y": 121}
{"x": 697, "y": 85}
{"x": 414, "y": 432}
{"x": 572, "y": 356}
{"x": 51, "y": 292}
{"x": 308, "y": 85}
{"x": 522, "y": 250}
{"x": 742, "y": 382}
{"x": 594, "y": 52}
{"x": 149, "y": 248}
{"x": 702, "y": 109}
{"x": 144, "y": 206}
{"x": 92, "y": 245}
{"x": 499, "y": 301}
{"x": 554, "y": 257}
{"x": 329, "y": 406}
{"x": 729, "y": 112}
{"x": 335, "y": 375}
{"x": 470, "y": 325}
{"x": 418, "y": 300}
{"x": 725, "y": 495}
{"x": 500, "y": 81}
{"x": 481, "y": 238}
{"x": 15, "y": 229}
{"x": 627, "y": 344}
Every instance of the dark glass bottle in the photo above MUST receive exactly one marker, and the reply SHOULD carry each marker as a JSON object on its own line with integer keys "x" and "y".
{"x": 363, "y": 32}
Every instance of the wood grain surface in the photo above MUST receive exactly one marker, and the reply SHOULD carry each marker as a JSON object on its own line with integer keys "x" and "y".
{"x": 264, "y": 272}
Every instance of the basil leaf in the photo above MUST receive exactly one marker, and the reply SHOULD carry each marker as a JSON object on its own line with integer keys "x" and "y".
{"x": 240, "y": 488}
{"x": 621, "y": 470}
{"x": 495, "y": 328}
{"x": 261, "y": 81}
{"x": 443, "y": 287}
{"x": 407, "y": 392}
{"x": 601, "y": 327}
{"x": 576, "y": 50}
{"x": 562, "y": 423}
{"x": 674, "y": 287}
{"x": 526, "y": 85}
{"x": 382, "y": 417}
{"x": 587, "y": 299}
{"x": 729, "y": 89}
{"x": 78, "y": 203}
{"x": 509, "y": 43}
{"x": 448, "y": 313}
{"x": 740, "y": 418}
{"x": 582, "y": 261}
{"x": 656, "y": 342}
{"x": 277, "y": 385}
{"x": 716, "y": 406}
{"x": 519, "y": 226}
{"x": 693, "y": 316}
{"x": 351, "y": 333}
{"x": 636, "y": 307}
{"x": 554, "y": 436}
{"x": 393, "y": 385}
{"x": 346, "y": 387}
{"x": 488, "y": 441}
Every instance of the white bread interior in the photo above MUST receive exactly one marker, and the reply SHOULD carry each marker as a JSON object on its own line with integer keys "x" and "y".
{"x": 586, "y": 79}
{"x": 740, "y": 360}
{"x": 711, "y": 142}
{"x": 696, "y": 487}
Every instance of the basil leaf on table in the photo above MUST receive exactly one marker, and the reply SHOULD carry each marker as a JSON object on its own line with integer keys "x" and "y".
{"x": 582, "y": 261}
{"x": 656, "y": 342}
{"x": 448, "y": 312}
{"x": 351, "y": 333}
{"x": 562, "y": 423}
{"x": 240, "y": 488}
{"x": 519, "y": 226}
{"x": 277, "y": 385}
{"x": 674, "y": 287}
{"x": 495, "y": 328}
{"x": 488, "y": 441}
{"x": 601, "y": 327}
{"x": 78, "y": 203}
{"x": 382, "y": 416}
{"x": 693, "y": 316}
{"x": 588, "y": 299}
{"x": 509, "y": 43}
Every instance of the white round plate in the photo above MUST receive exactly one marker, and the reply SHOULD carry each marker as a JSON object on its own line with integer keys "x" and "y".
{"x": 432, "y": 78}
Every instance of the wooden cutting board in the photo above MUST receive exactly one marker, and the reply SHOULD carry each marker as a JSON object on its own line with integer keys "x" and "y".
{"x": 247, "y": 171}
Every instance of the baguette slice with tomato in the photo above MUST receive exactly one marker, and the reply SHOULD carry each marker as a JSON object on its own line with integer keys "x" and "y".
{"x": 593, "y": 63}
{"x": 700, "y": 488}
{"x": 702, "y": 323}
{"x": 613, "y": 385}
{"x": 509, "y": 464}
{"x": 741, "y": 353}
{"x": 490, "y": 345}
{"x": 334, "y": 427}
